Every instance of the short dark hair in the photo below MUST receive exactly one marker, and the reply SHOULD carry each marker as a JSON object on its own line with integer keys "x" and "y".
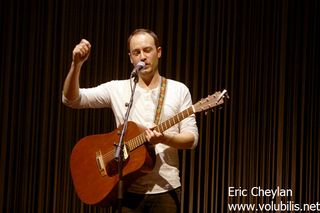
{"x": 141, "y": 31}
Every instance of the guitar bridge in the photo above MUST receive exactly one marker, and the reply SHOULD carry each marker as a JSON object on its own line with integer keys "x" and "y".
{"x": 100, "y": 163}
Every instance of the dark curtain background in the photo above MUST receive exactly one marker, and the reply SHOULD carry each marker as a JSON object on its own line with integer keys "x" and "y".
{"x": 264, "y": 52}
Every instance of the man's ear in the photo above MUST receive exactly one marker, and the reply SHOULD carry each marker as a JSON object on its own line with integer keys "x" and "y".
{"x": 130, "y": 58}
{"x": 159, "y": 51}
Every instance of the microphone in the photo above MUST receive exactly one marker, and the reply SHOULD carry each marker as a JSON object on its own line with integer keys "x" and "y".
{"x": 139, "y": 66}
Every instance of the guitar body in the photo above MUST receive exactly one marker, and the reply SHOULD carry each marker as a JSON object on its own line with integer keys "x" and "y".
{"x": 94, "y": 170}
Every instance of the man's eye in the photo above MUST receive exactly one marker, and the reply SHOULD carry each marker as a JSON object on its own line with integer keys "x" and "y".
{"x": 135, "y": 53}
{"x": 148, "y": 50}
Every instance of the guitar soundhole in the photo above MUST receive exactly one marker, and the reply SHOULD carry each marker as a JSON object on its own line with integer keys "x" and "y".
{"x": 112, "y": 166}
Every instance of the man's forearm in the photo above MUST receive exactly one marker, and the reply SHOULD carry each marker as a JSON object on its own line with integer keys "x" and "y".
{"x": 185, "y": 140}
{"x": 180, "y": 141}
{"x": 71, "y": 84}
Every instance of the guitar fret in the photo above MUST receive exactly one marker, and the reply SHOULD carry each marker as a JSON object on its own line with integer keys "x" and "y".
{"x": 174, "y": 118}
{"x": 165, "y": 123}
{"x": 129, "y": 145}
{"x": 173, "y": 121}
{"x": 136, "y": 143}
{"x": 131, "y": 142}
{"x": 185, "y": 113}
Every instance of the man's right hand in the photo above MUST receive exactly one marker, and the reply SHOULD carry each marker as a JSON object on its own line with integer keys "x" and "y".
{"x": 81, "y": 52}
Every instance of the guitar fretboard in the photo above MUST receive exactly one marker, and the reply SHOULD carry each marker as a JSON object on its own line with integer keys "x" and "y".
{"x": 141, "y": 139}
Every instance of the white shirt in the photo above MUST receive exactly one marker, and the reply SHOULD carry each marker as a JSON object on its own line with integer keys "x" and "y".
{"x": 114, "y": 94}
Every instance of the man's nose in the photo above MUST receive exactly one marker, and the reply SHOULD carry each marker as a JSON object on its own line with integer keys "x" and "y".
{"x": 142, "y": 56}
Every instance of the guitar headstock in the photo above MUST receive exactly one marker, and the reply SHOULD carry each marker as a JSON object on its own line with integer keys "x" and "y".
{"x": 211, "y": 101}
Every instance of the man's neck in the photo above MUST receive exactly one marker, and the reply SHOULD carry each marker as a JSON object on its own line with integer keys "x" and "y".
{"x": 150, "y": 82}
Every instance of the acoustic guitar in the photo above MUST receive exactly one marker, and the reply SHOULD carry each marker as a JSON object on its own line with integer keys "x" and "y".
{"x": 94, "y": 169}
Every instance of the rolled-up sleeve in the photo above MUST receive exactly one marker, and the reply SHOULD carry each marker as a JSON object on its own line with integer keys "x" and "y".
{"x": 189, "y": 124}
{"x": 96, "y": 97}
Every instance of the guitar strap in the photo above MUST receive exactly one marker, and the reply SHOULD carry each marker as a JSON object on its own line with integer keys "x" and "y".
{"x": 160, "y": 100}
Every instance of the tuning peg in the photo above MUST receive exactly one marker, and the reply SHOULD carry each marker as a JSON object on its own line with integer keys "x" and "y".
{"x": 226, "y": 95}
{"x": 223, "y": 95}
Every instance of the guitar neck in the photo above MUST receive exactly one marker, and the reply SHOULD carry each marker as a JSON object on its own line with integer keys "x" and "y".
{"x": 141, "y": 139}
{"x": 174, "y": 120}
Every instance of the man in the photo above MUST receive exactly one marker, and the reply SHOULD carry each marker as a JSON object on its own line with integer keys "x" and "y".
{"x": 159, "y": 190}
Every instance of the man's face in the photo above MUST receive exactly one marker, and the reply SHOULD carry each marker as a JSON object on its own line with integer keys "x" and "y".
{"x": 143, "y": 48}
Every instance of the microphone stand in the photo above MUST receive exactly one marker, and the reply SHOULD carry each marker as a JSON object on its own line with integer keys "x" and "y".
{"x": 119, "y": 149}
